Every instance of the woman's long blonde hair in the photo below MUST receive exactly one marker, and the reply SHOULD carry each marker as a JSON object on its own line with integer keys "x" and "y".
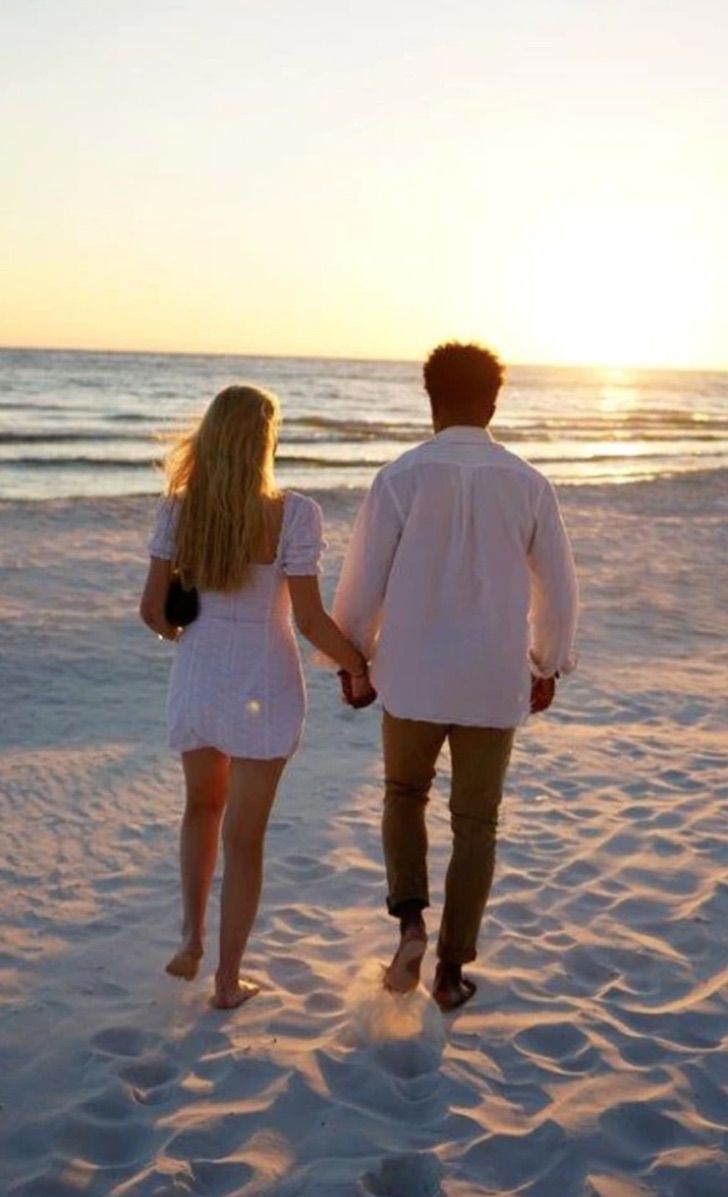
{"x": 222, "y": 473}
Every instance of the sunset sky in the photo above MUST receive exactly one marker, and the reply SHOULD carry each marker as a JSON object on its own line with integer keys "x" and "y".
{"x": 364, "y": 179}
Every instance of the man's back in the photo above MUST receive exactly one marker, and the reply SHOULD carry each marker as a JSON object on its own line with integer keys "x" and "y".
{"x": 459, "y": 583}
{"x": 439, "y": 565}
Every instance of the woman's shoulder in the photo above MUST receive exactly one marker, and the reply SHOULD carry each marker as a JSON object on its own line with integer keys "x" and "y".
{"x": 302, "y": 541}
{"x": 168, "y": 505}
{"x": 300, "y": 506}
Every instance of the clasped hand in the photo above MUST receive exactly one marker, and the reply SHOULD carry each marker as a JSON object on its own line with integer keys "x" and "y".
{"x": 356, "y": 692}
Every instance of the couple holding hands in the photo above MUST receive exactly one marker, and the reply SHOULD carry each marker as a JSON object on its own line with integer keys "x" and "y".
{"x": 457, "y": 604}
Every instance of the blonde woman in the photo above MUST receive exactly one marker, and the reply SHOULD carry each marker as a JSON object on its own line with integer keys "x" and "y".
{"x": 236, "y": 699}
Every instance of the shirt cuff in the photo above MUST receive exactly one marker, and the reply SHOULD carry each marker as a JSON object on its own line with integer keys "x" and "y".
{"x": 566, "y": 667}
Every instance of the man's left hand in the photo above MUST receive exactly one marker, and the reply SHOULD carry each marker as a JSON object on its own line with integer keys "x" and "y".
{"x": 542, "y": 693}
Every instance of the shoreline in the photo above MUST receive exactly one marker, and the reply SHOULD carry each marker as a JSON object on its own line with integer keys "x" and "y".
{"x": 715, "y": 478}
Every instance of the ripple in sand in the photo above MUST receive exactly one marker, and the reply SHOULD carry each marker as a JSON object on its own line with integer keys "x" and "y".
{"x": 710, "y": 1099}
{"x": 46, "y": 1186}
{"x": 641, "y": 1131}
{"x": 220, "y": 1176}
{"x": 690, "y": 1173}
{"x": 512, "y": 1160}
{"x": 607, "y": 1185}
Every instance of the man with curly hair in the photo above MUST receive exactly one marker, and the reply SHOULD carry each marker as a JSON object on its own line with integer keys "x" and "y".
{"x": 459, "y": 586}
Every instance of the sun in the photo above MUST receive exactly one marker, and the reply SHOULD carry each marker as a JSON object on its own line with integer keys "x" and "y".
{"x": 614, "y": 293}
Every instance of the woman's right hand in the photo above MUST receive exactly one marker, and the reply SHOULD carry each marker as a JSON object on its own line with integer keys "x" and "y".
{"x": 151, "y": 606}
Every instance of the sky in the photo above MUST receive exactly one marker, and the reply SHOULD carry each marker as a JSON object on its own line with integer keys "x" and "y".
{"x": 548, "y": 177}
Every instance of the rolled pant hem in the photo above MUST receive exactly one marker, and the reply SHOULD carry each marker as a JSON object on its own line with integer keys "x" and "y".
{"x": 394, "y": 905}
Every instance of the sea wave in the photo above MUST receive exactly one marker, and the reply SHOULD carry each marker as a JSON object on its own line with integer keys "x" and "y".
{"x": 62, "y": 438}
{"x": 311, "y": 461}
{"x": 98, "y": 424}
{"x": 65, "y": 463}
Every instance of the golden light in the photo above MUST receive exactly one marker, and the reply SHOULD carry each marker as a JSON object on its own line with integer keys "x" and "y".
{"x": 614, "y": 293}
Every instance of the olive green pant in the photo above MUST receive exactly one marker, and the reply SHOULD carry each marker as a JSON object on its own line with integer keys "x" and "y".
{"x": 479, "y": 757}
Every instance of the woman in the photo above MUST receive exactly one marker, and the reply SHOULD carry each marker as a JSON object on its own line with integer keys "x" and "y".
{"x": 236, "y": 700}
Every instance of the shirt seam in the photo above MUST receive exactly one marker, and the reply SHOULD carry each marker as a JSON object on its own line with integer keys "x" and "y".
{"x": 539, "y": 500}
{"x": 394, "y": 499}
{"x": 524, "y": 467}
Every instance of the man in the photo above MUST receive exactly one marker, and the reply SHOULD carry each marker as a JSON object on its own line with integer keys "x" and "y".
{"x": 459, "y": 586}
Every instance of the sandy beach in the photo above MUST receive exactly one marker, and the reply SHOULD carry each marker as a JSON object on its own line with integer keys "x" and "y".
{"x": 592, "y": 1061}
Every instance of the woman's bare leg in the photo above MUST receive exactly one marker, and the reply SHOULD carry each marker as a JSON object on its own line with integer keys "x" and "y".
{"x": 206, "y": 778}
{"x": 252, "y": 790}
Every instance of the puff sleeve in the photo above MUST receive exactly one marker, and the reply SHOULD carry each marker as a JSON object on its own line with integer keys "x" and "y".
{"x": 304, "y": 540}
{"x": 161, "y": 542}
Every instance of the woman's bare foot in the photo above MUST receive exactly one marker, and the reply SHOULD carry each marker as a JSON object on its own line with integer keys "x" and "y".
{"x": 229, "y": 995}
{"x": 451, "y": 989}
{"x": 403, "y": 974}
{"x": 185, "y": 962}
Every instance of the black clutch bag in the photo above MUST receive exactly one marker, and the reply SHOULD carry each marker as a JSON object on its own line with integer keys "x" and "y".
{"x": 181, "y": 606}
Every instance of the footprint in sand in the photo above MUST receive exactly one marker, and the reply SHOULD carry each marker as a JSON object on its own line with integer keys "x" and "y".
{"x": 307, "y": 868}
{"x": 406, "y": 1175}
{"x": 294, "y": 974}
{"x": 302, "y": 920}
{"x": 409, "y": 1058}
{"x": 103, "y": 1143}
{"x": 560, "y": 1045}
{"x": 321, "y": 1001}
{"x": 124, "y": 1041}
{"x": 214, "y": 1138}
{"x": 151, "y": 1080}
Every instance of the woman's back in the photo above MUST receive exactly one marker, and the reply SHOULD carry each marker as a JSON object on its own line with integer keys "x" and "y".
{"x": 236, "y": 682}
{"x": 236, "y": 700}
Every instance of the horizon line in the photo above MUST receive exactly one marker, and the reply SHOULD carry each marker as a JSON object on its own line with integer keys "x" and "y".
{"x": 336, "y": 357}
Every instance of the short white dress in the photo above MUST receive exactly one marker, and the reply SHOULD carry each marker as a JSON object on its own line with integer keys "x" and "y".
{"x": 236, "y": 681}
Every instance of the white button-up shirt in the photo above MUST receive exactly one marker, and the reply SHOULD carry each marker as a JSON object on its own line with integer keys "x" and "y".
{"x": 459, "y": 582}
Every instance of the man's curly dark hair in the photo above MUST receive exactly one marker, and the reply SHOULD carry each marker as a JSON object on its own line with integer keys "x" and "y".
{"x": 456, "y": 373}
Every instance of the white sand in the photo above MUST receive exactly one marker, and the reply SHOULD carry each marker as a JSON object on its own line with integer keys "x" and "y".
{"x": 590, "y": 1064}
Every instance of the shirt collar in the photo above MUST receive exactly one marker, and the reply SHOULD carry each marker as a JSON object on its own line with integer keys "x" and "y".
{"x": 465, "y": 434}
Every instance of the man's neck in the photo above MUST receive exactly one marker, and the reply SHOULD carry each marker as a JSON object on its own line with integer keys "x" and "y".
{"x": 441, "y": 426}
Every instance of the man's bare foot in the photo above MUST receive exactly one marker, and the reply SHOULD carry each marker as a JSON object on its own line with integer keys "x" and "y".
{"x": 403, "y": 974}
{"x": 230, "y": 995}
{"x": 451, "y": 989}
{"x": 185, "y": 962}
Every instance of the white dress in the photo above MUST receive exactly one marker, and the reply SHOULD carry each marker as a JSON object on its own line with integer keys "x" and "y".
{"x": 236, "y": 682}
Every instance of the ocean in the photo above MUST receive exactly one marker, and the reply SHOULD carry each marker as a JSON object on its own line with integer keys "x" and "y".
{"x": 84, "y": 424}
